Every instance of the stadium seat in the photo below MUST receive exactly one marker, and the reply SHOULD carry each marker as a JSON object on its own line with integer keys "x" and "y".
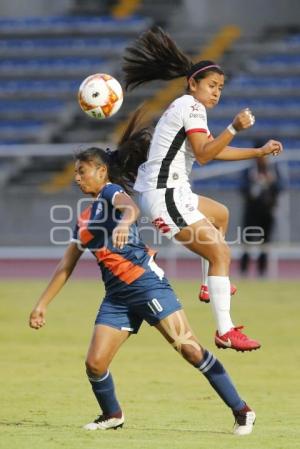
{"x": 39, "y": 88}
{"x": 51, "y": 66}
{"x": 72, "y": 24}
{"x": 46, "y": 108}
{"x": 20, "y": 129}
{"x": 63, "y": 46}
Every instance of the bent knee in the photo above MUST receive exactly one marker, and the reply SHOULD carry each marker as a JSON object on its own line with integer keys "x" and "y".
{"x": 96, "y": 366}
{"x": 220, "y": 254}
{"x": 225, "y": 216}
{"x": 221, "y": 218}
{"x": 225, "y": 212}
{"x": 192, "y": 354}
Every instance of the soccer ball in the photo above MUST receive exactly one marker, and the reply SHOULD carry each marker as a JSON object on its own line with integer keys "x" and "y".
{"x": 100, "y": 96}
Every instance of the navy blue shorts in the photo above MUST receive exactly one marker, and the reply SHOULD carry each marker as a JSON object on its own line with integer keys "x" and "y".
{"x": 128, "y": 314}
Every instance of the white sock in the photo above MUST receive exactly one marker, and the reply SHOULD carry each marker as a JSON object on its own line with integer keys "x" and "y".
{"x": 204, "y": 270}
{"x": 219, "y": 292}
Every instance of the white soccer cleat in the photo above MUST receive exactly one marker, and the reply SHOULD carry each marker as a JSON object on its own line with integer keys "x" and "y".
{"x": 105, "y": 423}
{"x": 244, "y": 421}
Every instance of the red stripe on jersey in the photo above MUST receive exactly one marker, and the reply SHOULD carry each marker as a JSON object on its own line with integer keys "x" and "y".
{"x": 85, "y": 236}
{"x": 196, "y": 130}
{"x": 84, "y": 216}
{"x": 122, "y": 268}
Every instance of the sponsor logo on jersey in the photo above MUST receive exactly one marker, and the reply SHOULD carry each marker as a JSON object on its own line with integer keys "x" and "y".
{"x": 197, "y": 115}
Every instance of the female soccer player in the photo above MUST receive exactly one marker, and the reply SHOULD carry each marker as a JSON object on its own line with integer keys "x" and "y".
{"x": 181, "y": 137}
{"x": 136, "y": 288}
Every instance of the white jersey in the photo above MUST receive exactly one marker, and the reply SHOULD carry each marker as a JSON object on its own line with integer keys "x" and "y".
{"x": 171, "y": 157}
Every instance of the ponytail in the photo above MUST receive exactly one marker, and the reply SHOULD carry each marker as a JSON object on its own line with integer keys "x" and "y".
{"x": 132, "y": 150}
{"x": 154, "y": 56}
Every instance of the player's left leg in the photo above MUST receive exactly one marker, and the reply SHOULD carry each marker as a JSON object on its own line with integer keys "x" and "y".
{"x": 215, "y": 212}
{"x": 218, "y": 215}
{"x": 177, "y": 331}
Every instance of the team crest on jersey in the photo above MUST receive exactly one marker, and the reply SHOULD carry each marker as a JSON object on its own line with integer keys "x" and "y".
{"x": 99, "y": 208}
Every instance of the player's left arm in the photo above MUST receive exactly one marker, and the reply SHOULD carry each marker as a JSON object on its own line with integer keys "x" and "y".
{"x": 272, "y": 147}
{"x": 130, "y": 213}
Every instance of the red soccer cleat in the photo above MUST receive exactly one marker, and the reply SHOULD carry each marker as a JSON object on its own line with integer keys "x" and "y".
{"x": 204, "y": 294}
{"x": 235, "y": 339}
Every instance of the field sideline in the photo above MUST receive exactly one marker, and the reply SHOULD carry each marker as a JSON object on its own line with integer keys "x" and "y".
{"x": 45, "y": 397}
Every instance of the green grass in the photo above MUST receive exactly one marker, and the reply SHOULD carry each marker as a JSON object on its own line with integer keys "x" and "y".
{"x": 45, "y": 397}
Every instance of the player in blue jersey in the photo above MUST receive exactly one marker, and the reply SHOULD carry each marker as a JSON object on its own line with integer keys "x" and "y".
{"x": 136, "y": 288}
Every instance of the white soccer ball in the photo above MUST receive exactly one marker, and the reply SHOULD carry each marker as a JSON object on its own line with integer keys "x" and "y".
{"x": 100, "y": 96}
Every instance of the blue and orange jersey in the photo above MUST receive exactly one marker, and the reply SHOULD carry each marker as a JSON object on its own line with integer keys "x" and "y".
{"x": 123, "y": 270}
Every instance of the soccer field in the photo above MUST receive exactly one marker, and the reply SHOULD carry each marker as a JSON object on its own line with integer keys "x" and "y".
{"x": 45, "y": 397}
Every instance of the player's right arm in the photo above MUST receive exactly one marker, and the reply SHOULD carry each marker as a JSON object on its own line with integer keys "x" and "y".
{"x": 206, "y": 149}
{"x": 58, "y": 280}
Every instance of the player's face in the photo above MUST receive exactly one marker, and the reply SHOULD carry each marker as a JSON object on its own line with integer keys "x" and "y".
{"x": 90, "y": 177}
{"x": 208, "y": 90}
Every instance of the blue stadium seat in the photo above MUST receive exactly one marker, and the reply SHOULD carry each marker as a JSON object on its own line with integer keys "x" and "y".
{"x": 263, "y": 82}
{"x": 15, "y": 124}
{"x": 264, "y": 102}
{"x": 20, "y": 129}
{"x": 291, "y": 144}
{"x": 70, "y": 24}
{"x": 51, "y": 66}
{"x": 34, "y": 105}
{"x": 62, "y": 42}
{"x": 63, "y": 46}
{"x": 274, "y": 59}
{"x": 46, "y": 87}
{"x": 7, "y": 142}
{"x": 294, "y": 39}
{"x": 275, "y": 122}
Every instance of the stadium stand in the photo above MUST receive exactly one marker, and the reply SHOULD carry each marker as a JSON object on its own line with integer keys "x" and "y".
{"x": 44, "y": 60}
{"x": 263, "y": 75}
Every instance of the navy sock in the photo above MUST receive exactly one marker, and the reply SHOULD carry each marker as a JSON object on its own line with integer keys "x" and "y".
{"x": 104, "y": 391}
{"x": 215, "y": 373}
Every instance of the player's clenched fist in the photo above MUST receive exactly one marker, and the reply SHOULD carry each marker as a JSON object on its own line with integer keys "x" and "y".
{"x": 272, "y": 147}
{"x": 37, "y": 318}
{"x": 243, "y": 120}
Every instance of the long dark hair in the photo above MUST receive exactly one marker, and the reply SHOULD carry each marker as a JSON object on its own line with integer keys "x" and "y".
{"x": 132, "y": 150}
{"x": 155, "y": 56}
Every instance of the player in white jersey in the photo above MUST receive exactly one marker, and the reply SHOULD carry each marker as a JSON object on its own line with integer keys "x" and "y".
{"x": 181, "y": 137}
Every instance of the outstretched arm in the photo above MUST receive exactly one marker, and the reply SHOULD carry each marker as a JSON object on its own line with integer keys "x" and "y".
{"x": 59, "y": 278}
{"x": 239, "y": 154}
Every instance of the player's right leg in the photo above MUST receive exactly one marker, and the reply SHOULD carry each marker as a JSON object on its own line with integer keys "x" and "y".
{"x": 104, "y": 345}
{"x": 204, "y": 239}
{"x": 218, "y": 215}
{"x": 177, "y": 331}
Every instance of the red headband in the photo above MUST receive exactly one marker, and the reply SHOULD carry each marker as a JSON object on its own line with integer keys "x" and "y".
{"x": 204, "y": 68}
